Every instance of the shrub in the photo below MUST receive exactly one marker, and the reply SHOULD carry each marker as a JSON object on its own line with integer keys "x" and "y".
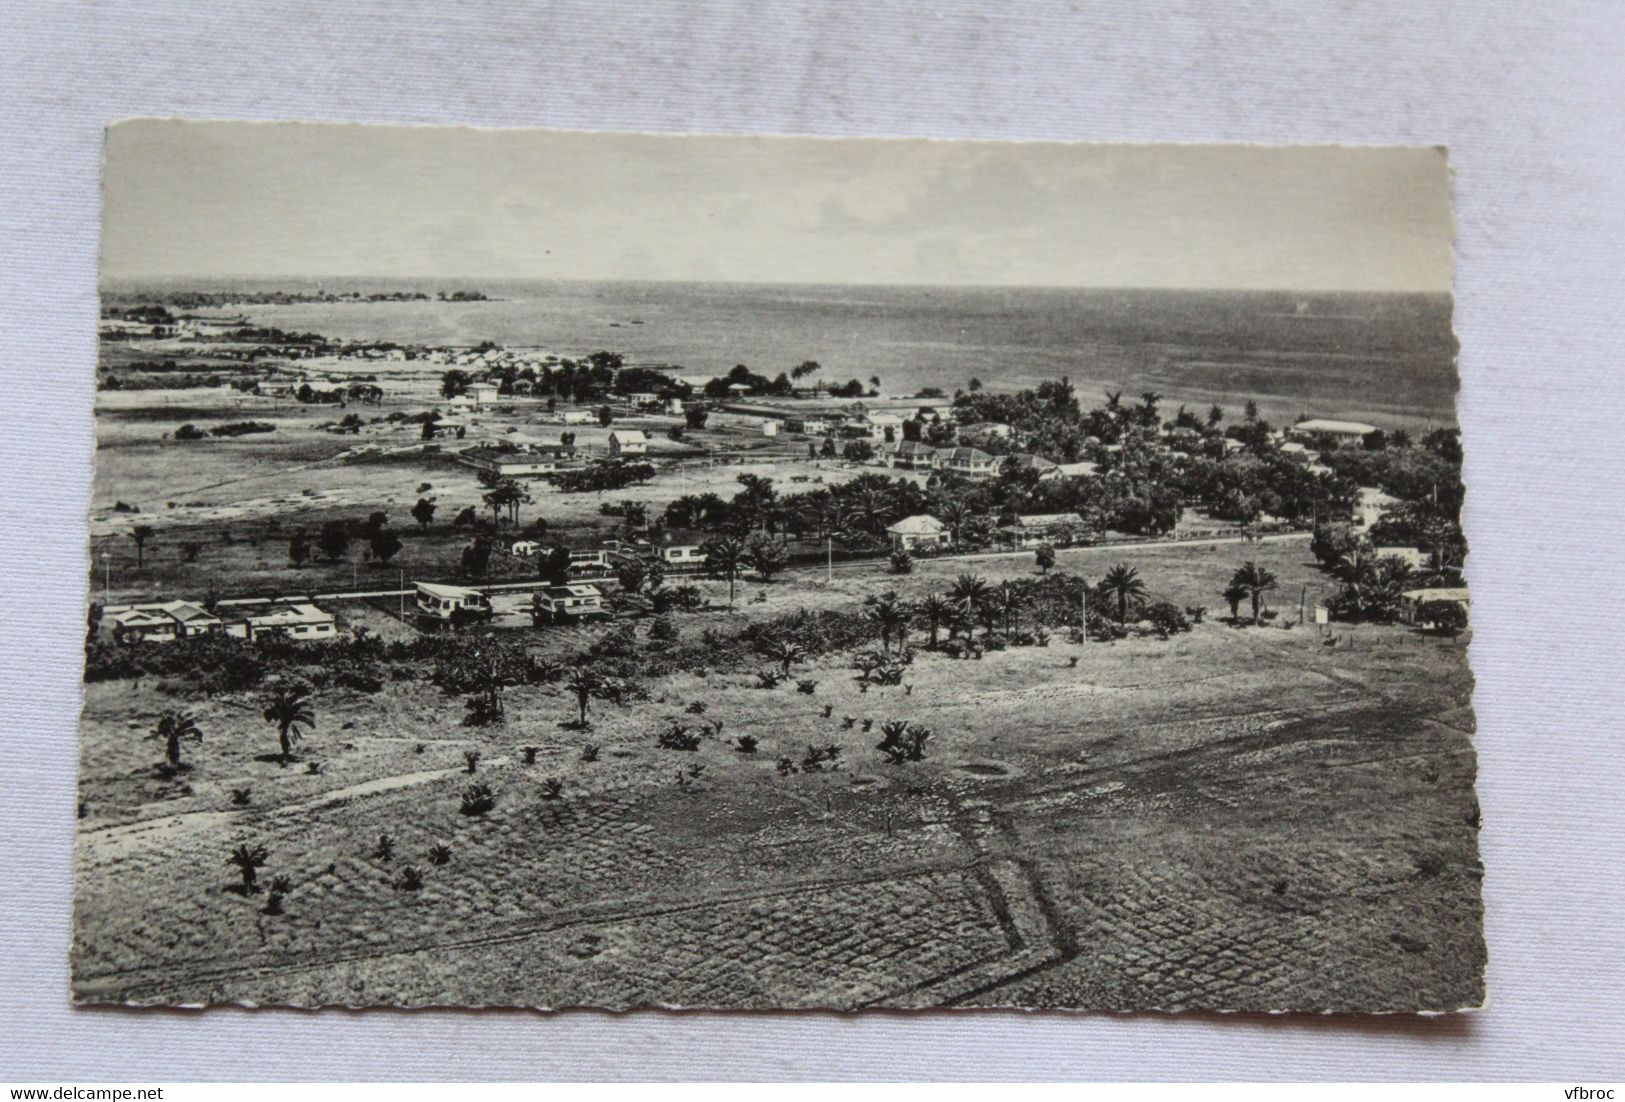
{"x": 189, "y": 431}
{"x": 552, "y": 788}
{"x": 529, "y": 754}
{"x": 385, "y": 848}
{"x": 1166, "y": 618}
{"x": 589, "y": 752}
{"x": 903, "y": 742}
{"x": 902, "y": 562}
{"x": 663, "y": 630}
{"x": 409, "y": 879}
{"x": 768, "y": 679}
{"x": 439, "y": 855}
{"x": 819, "y": 758}
{"x": 471, "y": 760}
{"x": 678, "y": 737}
{"x": 241, "y": 797}
{"x": 787, "y": 766}
{"x": 477, "y": 799}
{"x": 746, "y": 744}
{"x": 242, "y": 428}
{"x": 806, "y": 685}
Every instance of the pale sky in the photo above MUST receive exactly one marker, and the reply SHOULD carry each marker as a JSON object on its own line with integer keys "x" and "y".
{"x": 302, "y": 200}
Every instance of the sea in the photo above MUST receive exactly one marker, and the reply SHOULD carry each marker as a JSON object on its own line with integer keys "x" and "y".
{"x": 1389, "y": 358}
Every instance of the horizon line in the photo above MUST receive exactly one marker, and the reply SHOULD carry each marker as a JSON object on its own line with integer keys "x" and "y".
{"x": 471, "y": 283}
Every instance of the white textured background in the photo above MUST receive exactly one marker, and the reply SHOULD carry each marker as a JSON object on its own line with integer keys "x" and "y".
{"x": 1529, "y": 96}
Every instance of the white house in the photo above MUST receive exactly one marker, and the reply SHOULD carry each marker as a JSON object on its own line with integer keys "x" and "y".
{"x": 970, "y": 462}
{"x": 921, "y": 532}
{"x": 559, "y": 604}
{"x": 915, "y": 456}
{"x": 589, "y": 560}
{"x": 1343, "y": 433}
{"x": 624, "y": 442}
{"x": 1039, "y": 528}
{"x": 691, "y": 554}
{"x": 882, "y": 426}
{"x": 1080, "y": 469}
{"x": 484, "y": 394}
{"x": 524, "y": 549}
{"x": 296, "y": 620}
{"x": 1369, "y": 505}
{"x": 158, "y": 623}
{"x": 542, "y": 459}
{"x": 450, "y": 602}
{"x": 1026, "y": 461}
{"x": 576, "y": 417}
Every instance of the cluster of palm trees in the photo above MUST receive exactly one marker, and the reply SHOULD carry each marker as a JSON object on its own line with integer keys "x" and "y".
{"x": 288, "y": 708}
{"x": 1250, "y": 582}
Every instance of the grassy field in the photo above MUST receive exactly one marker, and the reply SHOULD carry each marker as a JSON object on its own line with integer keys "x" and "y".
{"x": 1241, "y": 817}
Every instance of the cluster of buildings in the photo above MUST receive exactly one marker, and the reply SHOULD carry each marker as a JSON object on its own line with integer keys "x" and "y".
{"x": 925, "y": 534}
{"x": 167, "y": 621}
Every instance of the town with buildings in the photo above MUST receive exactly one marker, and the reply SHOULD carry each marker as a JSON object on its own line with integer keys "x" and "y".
{"x": 971, "y": 623}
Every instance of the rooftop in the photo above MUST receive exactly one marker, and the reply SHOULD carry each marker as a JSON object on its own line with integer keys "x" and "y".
{"x": 450, "y": 592}
{"x": 1337, "y": 428}
{"x": 922, "y": 524}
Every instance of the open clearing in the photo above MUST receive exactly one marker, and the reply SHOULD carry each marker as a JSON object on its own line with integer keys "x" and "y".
{"x": 1207, "y": 820}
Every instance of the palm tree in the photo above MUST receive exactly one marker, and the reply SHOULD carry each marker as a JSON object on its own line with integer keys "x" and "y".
{"x": 891, "y": 616}
{"x": 585, "y": 684}
{"x": 1124, "y": 582}
{"x": 1255, "y": 580}
{"x": 172, "y": 728}
{"x": 954, "y": 515}
{"x": 289, "y": 708}
{"x": 936, "y": 611}
{"x": 248, "y": 861}
{"x": 1233, "y": 596}
{"x": 141, "y": 533}
{"x": 1007, "y": 600}
{"x": 784, "y": 652}
{"x": 723, "y": 558}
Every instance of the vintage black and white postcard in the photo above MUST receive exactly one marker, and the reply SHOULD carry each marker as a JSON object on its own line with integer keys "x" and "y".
{"x": 555, "y": 569}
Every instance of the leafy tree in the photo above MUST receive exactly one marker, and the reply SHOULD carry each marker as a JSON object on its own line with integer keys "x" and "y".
{"x": 454, "y": 383}
{"x": 384, "y": 545}
{"x": 695, "y": 415}
{"x": 298, "y": 548}
{"x": 606, "y": 416}
{"x": 423, "y": 513}
{"x": 173, "y": 728}
{"x": 1124, "y": 583}
{"x": 476, "y": 557}
{"x": 768, "y": 556}
{"x": 1044, "y": 557}
{"x": 554, "y": 564}
{"x": 632, "y": 574}
{"x": 289, "y": 709}
{"x": 334, "y": 540}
